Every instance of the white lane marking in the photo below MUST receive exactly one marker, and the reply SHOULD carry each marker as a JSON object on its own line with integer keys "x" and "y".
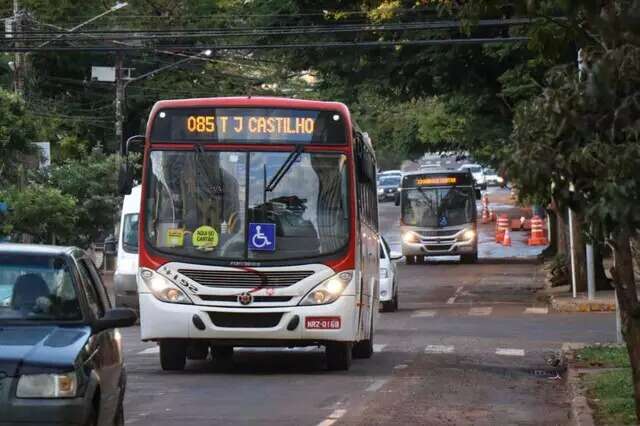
{"x": 439, "y": 349}
{"x": 424, "y": 313}
{"x": 537, "y": 311}
{"x": 510, "y": 352}
{"x": 452, "y": 300}
{"x": 481, "y": 311}
{"x": 332, "y": 418}
{"x": 375, "y": 386}
{"x": 150, "y": 351}
{"x": 378, "y": 347}
{"x": 400, "y": 367}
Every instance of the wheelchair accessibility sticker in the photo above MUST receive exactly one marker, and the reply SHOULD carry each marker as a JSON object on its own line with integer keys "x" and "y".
{"x": 262, "y": 236}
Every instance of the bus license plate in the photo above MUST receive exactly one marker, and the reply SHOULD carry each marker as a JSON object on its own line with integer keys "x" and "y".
{"x": 320, "y": 323}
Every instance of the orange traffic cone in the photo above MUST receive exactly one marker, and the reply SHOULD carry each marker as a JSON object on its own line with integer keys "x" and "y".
{"x": 538, "y": 237}
{"x": 492, "y": 215}
{"x": 506, "y": 240}
{"x": 485, "y": 215}
{"x": 501, "y": 226}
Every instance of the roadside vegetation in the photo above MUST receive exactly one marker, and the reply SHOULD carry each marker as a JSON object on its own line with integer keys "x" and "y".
{"x": 609, "y": 391}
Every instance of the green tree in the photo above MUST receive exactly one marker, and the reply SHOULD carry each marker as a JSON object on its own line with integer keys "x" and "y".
{"x": 44, "y": 213}
{"x": 91, "y": 180}
{"x": 17, "y": 132}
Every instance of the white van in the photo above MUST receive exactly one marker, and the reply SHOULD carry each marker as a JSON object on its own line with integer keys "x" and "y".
{"x": 126, "y": 288}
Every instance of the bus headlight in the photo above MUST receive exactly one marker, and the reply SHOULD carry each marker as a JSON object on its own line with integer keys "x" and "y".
{"x": 329, "y": 290}
{"x": 47, "y": 386}
{"x": 163, "y": 289}
{"x": 410, "y": 237}
{"x": 467, "y": 235}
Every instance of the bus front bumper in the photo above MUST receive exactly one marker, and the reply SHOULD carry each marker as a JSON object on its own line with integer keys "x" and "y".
{"x": 287, "y": 324}
{"x": 435, "y": 249}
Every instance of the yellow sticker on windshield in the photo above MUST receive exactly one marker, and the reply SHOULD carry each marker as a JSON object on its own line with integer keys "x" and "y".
{"x": 175, "y": 237}
{"x": 205, "y": 237}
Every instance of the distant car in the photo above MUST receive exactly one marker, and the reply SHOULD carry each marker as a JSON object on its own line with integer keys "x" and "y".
{"x": 388, "y": 278}
{"x": 478, "y": 174}
{"x": 61, "y": 359}
{"x": 388, "y": 187}
{"x": 390, "y": 172}
{"x": 492, "y": 178}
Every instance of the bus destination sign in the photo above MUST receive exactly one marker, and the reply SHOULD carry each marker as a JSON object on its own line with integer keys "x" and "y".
{"x": 249, "y": 125}
{"x": 449, "y": 179}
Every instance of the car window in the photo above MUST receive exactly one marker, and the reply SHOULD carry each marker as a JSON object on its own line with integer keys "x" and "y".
{"x": 37, "y": 287}
{"x": 95, "y": 275}
{"x": 95, "y": 304}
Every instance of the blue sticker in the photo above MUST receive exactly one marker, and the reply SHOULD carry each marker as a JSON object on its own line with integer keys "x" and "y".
{"x": 262, "y": 236}
{"x": 443, "y": 221}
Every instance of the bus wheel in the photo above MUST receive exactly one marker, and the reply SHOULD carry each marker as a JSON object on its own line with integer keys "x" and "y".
{"x": 198, "y": 350}
{"x": 339, "y": 355}
{"x": 420, "y": 260}
{"x": 173, "y": 355}
{"x": 410, "y": 260}
{"x": 364, "y": 348}
{"x": 469, "y": 258}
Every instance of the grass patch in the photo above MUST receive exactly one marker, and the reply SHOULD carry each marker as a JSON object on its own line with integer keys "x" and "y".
{"x": 603, "y": 356}
{"x": 611, "y": 396}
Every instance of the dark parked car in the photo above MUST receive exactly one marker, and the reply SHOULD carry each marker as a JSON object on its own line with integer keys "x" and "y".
{"x": 388, "y": 187}
{"x": 60, "y": 352}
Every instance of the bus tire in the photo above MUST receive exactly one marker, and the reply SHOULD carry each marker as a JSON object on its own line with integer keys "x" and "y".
{"x": 222, "y": 353}
{"x": 339, "y": 355}
{"x": 410, "y": 260}
{"x": 364, "y": 348}
{"x": 173, "y": 355}
{"x": 469, "y": 258}
{"x": 420, "y": 260}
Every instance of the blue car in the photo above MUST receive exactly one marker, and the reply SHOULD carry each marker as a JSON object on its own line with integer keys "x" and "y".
{"x": 61, "y": 358}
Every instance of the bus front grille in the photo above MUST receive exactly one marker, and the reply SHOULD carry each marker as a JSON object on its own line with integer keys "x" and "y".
{"x": 245, "y": 320}
{"x": 220, "y": 278}
{"x": 227, "y": 298}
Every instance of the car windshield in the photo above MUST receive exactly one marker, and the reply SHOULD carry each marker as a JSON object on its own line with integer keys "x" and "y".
{"x": 389, "y": 181}
{"x": 130, "y": 233}
{"x": 437, "y": 207}
{"x": 247, "y": 206}
{"x": 37, "y": 287}
{"x": 475, "y": 169}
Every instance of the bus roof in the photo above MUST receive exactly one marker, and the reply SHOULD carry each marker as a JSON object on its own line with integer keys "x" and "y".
{"x": 252, "y": 101}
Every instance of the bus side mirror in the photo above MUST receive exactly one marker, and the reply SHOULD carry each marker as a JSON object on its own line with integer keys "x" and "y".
{"x": 125, "y": 178}
{"x": 478, "y": 194}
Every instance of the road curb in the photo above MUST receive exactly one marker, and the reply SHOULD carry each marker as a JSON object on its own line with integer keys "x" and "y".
{"x": 581, "y": 413}
{"x": 565, "y": 304}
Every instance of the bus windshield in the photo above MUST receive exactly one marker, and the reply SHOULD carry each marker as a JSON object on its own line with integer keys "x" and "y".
{"x": 256, "y": 206}
{"x": 437, "y": 207}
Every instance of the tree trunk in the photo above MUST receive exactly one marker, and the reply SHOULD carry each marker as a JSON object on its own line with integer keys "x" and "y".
{"x": 552, "y": 248}
{"x": 561, "y": 231}
{"x": 602, "y": 282}
{"x": 579, "y": 253}
{"x": 624, "y": 282}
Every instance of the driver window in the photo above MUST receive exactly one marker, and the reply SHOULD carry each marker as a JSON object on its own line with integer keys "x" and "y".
{"x": 95, "y": 304}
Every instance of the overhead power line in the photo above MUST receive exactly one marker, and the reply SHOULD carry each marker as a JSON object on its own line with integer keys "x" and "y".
{"x": 130, "y": 34}
{"x": 318, "y": 45}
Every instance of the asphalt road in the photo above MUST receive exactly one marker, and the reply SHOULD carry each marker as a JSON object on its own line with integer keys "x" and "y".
{"x": 470, "y": 345}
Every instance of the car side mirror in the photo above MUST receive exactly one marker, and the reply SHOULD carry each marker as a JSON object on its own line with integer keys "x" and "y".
{"x": 394, "y": 255}
{"x": 478, "y": 194}
{"x": 115, "y": 318}
{"x": 110, "y": 245}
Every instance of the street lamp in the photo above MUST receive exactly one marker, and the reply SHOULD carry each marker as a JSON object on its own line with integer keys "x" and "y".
{"x": 119, "y": 5}
{"x": 121, "y": 86}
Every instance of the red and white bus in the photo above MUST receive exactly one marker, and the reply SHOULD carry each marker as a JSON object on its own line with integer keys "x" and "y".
{"x": 258, "y": 227}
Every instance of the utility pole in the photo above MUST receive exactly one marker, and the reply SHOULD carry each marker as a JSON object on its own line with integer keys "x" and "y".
{"x": 18, "y": 72}
{"x": 119, "y": 100}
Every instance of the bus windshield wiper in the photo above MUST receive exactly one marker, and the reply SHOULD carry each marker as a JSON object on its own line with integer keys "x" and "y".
{"x": 284, "y": 168}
